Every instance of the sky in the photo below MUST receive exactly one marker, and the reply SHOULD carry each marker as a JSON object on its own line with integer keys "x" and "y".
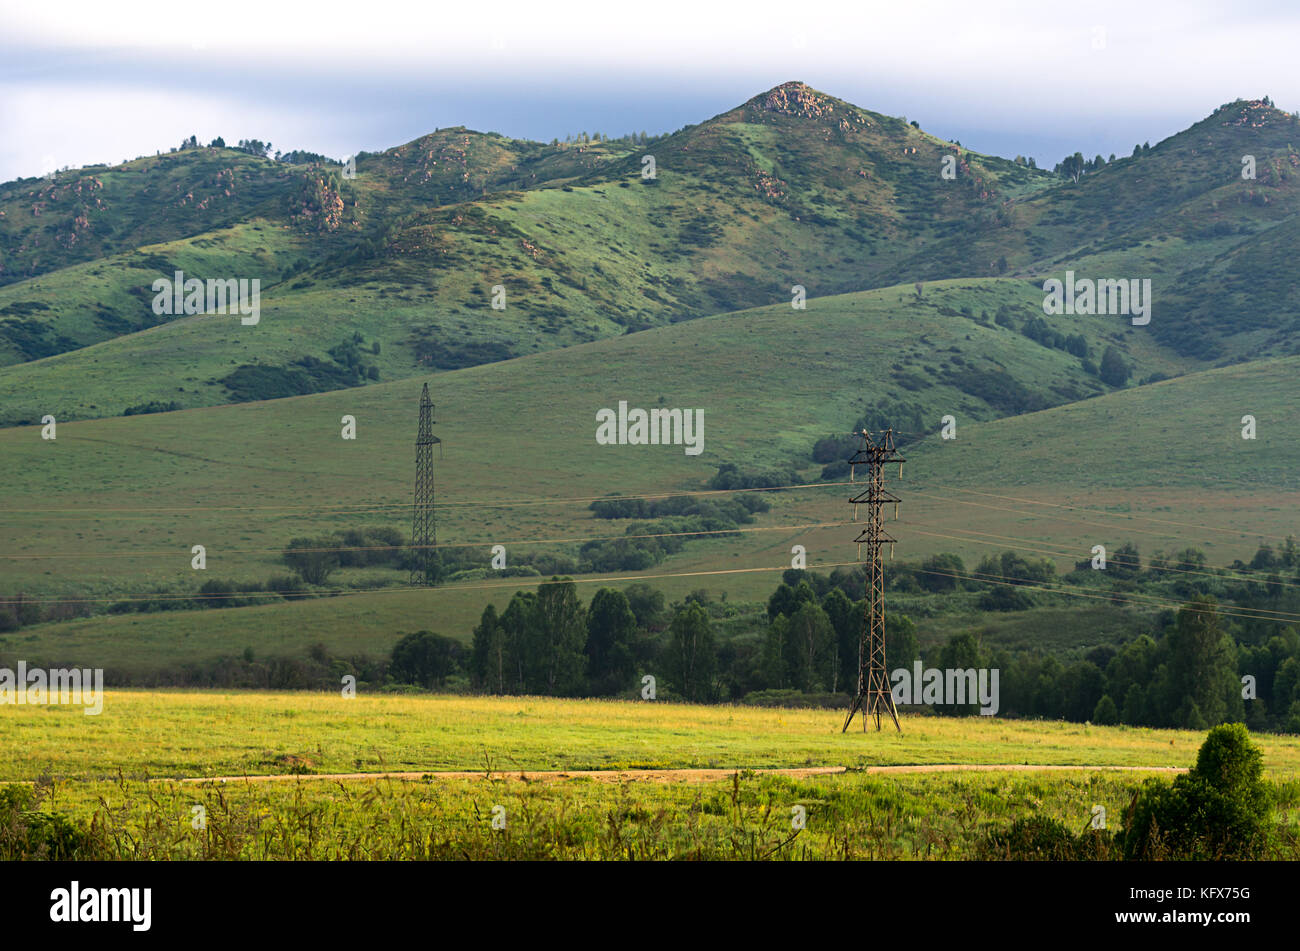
{"x": 85, "y": 83}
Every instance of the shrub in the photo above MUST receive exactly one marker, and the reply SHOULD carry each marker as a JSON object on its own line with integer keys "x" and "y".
{"x": 1005, "y": 598}
{"x": 28, "y": 833}
{"x": 313, "y": 558}
{"x": 1042, "y": 839}
{"x": 1218, "y": 810}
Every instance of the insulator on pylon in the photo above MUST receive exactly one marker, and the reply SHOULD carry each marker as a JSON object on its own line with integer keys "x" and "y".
{"x": 895, "y": 511}
{"x": 891, "y": 552}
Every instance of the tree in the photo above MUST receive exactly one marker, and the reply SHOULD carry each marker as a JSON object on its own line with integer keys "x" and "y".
{"x": 647, "y": 604}
{"x": 787, "y": 600}
{"x": 962, "y": 652}
{"x": 488, "y": 653}
{"x": 425, "y": 658}
{"x": 1125, "y": 561}
{"x": 562, "y": 633}
{"x": 941, "y": 572}
{"x": 812, "y": 640}
{"x": 1005, "y": 597}
{"x": 900, "y": 641}
{"x": 1202, "y": 666}
{"x": 1072, "y": 167}
{"x": 1134, "y": 713}
{"x": 846, "y": 621}
{"x": 1105, "y": 713}
{"x": 1114, "y": 371}
{"x": 313, "y": 558}
{"x": 611, "y": 625}
{"x": 774, "y": 662}
{"x": 691, "y": 656}
{"x": 518, "y": 632}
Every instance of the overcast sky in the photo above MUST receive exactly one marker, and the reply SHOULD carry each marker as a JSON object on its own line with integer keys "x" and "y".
{"x": 84, "y": 83}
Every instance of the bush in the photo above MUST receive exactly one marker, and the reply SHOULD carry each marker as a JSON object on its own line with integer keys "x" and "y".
{"x": 313, "y": 558}
{"x": 286, "y": 587}
{"x": 1004, "y": 598}
{"x": 1219, "y": 810}
{"x": 28, "y": 833}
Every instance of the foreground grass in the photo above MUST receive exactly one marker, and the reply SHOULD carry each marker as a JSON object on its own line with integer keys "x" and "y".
{"x": 174, "y": 733}
{"x": 848, "y": 816}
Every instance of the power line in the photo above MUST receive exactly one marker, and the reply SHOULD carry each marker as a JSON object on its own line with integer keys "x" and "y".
{"x": 468, "y": 544}
{"x": 336, "y": 593}
{"x": 486, "y": 503}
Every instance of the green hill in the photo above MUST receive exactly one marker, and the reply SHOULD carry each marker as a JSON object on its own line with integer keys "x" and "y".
{"x": 111, "y": 509}
{"x": 791, "y": 188}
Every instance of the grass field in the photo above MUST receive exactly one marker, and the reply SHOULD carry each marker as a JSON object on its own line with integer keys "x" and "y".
{"x": 173, "y": 733}
{"x": 750, "y": 816}
{"x": 118, "y": 772}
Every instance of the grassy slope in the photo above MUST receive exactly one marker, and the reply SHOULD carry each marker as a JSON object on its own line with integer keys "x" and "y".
{"x": 113, "y": 506}
{"x": 793, "y": 187}
{"x": 248, "y": 476}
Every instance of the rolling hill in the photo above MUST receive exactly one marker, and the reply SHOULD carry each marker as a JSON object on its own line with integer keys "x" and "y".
{"x": 924, "y": 300}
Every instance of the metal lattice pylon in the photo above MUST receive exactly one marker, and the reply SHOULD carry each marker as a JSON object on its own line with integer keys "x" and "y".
{"x": 424, "y": 530}
{"x": 874, "y": 696}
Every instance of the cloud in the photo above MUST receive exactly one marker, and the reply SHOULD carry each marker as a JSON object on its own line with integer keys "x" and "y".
{"x": 88, "y": 82}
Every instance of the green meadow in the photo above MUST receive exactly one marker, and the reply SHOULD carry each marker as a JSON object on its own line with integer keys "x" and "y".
{"x": 175, "y": 734}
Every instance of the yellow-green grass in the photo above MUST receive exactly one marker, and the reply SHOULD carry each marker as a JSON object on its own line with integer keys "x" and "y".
{"x": 847, "y": 816}
{"x": 185, "y": 733}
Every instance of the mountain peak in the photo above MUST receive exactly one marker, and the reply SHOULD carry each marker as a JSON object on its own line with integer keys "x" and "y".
{"x": 1251, "y": 113}
{"x": 799, "y": 100}
{"x": 796, "y": 99}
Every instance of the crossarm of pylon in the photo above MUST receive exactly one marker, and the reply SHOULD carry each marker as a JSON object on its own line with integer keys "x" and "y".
{"x": 862, "y": 538}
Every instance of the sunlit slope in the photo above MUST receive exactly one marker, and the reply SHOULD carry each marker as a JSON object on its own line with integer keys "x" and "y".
{"x": 112, "y": 298}
{"x": 794, "y": 187}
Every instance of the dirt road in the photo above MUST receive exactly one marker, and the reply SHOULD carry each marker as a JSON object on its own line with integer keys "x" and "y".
{"x": 666, "y": 775}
